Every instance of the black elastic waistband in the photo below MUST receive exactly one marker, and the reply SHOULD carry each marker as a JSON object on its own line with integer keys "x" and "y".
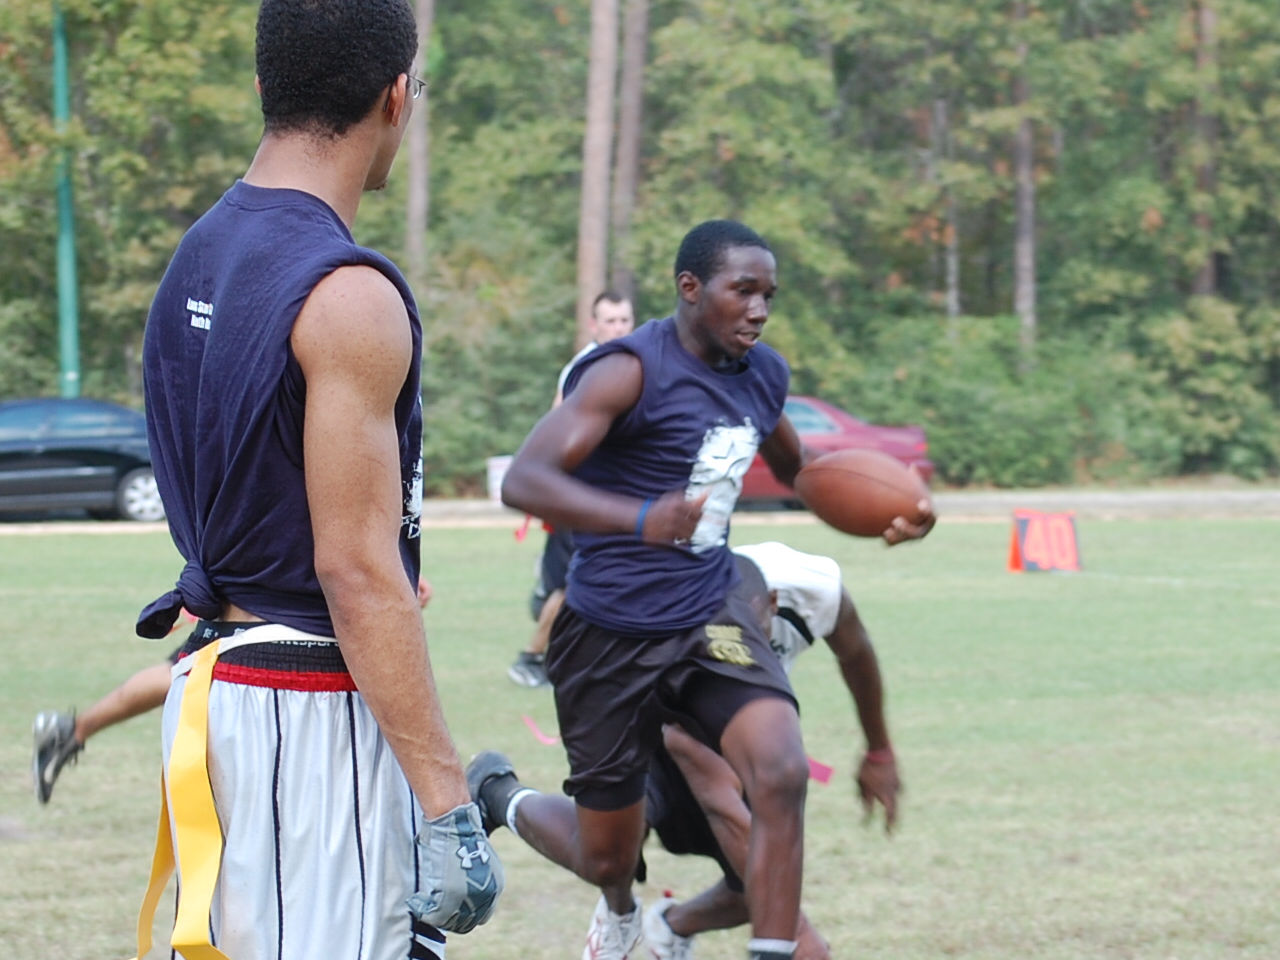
{"x": 295, "y": 656}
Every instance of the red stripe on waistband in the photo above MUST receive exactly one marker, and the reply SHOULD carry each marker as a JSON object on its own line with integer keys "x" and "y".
{"x": 312, "y": 681}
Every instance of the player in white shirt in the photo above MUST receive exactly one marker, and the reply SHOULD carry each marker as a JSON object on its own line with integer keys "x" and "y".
{"x": 694, "y": 799}
{"x": 611, "y": 318}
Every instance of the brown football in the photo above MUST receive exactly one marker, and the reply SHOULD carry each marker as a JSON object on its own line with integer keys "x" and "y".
{"x": 860, "y": 491}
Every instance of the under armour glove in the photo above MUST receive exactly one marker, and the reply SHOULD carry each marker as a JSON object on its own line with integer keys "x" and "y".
{"x": 462, "y": 876}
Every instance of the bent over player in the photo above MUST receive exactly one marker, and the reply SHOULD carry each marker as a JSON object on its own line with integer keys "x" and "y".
{"x": 694, "y": 800}
{"x": 282, "y": 369}
{"x": 644, "y": 460}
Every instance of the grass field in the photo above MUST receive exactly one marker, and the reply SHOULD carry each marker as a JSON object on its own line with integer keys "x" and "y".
{"x": 1092, "y": 761}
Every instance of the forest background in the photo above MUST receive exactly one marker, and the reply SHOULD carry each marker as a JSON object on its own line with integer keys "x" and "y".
{"x": 1046, "y": 231}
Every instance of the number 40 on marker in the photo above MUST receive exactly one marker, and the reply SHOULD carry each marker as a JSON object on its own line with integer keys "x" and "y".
{"x": 1043, "y": 541}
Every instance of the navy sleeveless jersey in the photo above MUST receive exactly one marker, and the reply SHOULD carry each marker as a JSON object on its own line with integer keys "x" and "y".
{"x": 695, "y": 428}
{"x": 225, "y": 400}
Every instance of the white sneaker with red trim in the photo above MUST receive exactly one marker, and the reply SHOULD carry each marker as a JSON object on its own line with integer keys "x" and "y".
{"x": 612, "y": 937}
{"x": 663, "y": 942}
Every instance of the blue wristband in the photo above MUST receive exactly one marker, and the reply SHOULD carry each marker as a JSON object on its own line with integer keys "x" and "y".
{"x": 644, "y": 510}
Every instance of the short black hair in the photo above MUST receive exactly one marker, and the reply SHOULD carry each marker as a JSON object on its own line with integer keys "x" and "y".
{"x": 702, "y": 249}
{"x": 613, "y": 296}
{"x": 323, "y": 64}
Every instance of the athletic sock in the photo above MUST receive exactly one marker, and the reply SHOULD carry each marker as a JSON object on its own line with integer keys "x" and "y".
{"x": 762, "y": 949}
{"x": 511, "y": 807}
{"x": 496, "y": 793}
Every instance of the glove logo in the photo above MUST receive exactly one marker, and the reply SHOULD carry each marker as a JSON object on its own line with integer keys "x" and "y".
{"x": 468, "y": 857}
{"x": 462, "y": 873}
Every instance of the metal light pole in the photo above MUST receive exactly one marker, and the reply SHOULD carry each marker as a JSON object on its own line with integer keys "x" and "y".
{"x": 68, "y": 289}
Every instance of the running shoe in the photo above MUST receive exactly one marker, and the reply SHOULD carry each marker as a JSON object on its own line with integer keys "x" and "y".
{"x": 528, "y": 670}
{"x": 612, "y": 937}
{"x": 54, "y": 743}
{"x": 663, "y": 942}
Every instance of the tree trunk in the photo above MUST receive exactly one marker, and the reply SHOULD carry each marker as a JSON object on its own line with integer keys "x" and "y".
{"x": 1205, "y": 141}
{"x": 419, "y": 161}
{"x": 951, "y": 228}
{"x": 953, "y": 258}
{"x": 1024, "y": 243}
{"x": 626, "y": 170}
{"x": 597, "y": 143}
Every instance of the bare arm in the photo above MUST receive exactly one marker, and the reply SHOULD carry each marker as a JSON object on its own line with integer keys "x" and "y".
{"x": 353, "y": 343}
{"x": 539, "y": 480}
{"x": 718, "y": 791}
{"x": 784, "y": 452}
{"x": 878, "y": 775}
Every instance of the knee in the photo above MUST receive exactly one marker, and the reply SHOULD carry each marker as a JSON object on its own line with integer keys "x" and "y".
{"x": 781, "y": 781}
{"x": 610, "y": 868}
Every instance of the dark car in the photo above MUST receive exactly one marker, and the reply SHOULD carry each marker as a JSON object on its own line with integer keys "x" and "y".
{"x": 76, "y": 454}
{"x": 825, "y": 428}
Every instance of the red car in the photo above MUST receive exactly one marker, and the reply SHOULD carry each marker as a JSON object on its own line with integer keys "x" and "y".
{"x": 824, "y": 428}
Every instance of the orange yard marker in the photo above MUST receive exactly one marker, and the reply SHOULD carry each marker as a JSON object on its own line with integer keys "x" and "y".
{"x": 1043, "y": 541}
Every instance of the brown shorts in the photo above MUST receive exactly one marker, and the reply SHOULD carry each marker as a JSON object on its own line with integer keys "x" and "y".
{"x": 614, "y": 692}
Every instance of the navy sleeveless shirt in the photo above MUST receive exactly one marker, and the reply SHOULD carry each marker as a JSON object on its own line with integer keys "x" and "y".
{"x": 695, "y": 428}
{"x": 225, "y": 400}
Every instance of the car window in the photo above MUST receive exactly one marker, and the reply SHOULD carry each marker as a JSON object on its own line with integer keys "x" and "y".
{"x": 807, "y": 419}
{"x": 22, "y": 422}
{"x": 92, "y": 422}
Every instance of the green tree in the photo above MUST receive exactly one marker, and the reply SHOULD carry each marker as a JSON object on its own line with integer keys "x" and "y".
{"x": 165, "y": 117}
{"x": 871, "y": 143}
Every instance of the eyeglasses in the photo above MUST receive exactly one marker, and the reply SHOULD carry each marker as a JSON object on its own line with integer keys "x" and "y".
{"x": 416, "y": 87}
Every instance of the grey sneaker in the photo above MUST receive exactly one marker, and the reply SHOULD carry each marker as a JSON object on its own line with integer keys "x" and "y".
{"x": 54, "y": 743}
{"x": 528, "y": 670}
{"x": 663, "y": 942}
{"x": 612, "y": 937}
{"x": 491, "y": 781}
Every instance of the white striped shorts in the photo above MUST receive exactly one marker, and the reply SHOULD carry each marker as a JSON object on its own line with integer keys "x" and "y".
{"x": 318, "y": 824}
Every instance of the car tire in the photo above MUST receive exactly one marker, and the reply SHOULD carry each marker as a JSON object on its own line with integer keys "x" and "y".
{"x": 138, "y": 498}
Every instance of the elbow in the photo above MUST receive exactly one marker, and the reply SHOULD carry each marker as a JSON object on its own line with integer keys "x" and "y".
{"x": 788, "y": 468}
{"x": 784, "y": 476}
{"x": 354, "y": 580}
{"x": 515, "y": 488}
{"x": 787, "y": 464}
{"x": 522, "y": 487}
{"x": 342, "y": 580}
{"x": 784, "y": 469}
{"x": 332, "y": 567}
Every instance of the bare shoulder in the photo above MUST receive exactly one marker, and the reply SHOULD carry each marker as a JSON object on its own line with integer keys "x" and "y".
{"x": 354, "y": 318}
{"x": 611, "y": 384}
